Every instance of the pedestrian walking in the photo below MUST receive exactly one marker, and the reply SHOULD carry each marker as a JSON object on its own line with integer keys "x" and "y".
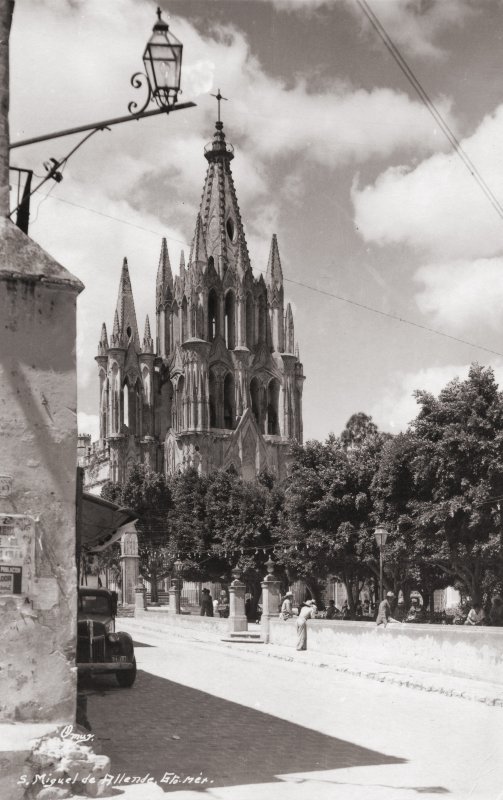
{"x": 384, "y": 612}
{"x": 308, "y": 611}
{"x": 206, "y": 603}
{"x": 286, "y": 607}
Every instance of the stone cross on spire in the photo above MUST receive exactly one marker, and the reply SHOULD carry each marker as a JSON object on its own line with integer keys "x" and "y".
{"x": 219, "y": 98}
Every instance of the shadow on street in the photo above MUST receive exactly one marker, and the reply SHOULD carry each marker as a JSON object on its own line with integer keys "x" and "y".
{"x": 159, "y": 727}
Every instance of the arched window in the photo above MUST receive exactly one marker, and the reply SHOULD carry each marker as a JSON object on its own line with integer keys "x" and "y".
{"x": 262, "y": 319}
{"x": 230, "y": 320}
{"x": 115, "y": 389}
{"x": 255, "y": 402}
{"x": 185, "y": 320}
{"x": 200, "y": 320}
{"x": 213, "y": 400}
{"x": 125, "y": 404}
{"x": 212, "y": 315}
{"x": 229, "y": 402}
{"x": 179, "y": 423}
{"x": 175, "y": 325}
{"x": 250, "y": 321}
{"x": 138, "y": 408}
{"x": 272, "y": 408}
{"x": 211, "y": 263}
{"x": 104, "y": 388}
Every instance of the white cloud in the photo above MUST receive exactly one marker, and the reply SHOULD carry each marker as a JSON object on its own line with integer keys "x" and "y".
{"x": 88, "y": 423}
{"x": 413, "y": 24}
{"x": 464, "y": 295}
{"x": 438, "y": 207}
{"x": 396, "y": 406}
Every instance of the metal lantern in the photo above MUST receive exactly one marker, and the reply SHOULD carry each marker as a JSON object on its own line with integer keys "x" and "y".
{"x": 381, "y": 534}
{"x": 163, "y": 63}
{"x": 177, "y": 566}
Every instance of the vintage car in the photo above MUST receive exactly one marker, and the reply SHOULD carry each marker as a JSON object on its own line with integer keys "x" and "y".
{"x": 99, "y": 647}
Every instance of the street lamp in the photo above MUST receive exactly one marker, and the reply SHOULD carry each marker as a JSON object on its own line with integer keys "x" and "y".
{"x": 162, "y": 59}
{"x": 381, "y": 534}
{"x": 163, "y": 64}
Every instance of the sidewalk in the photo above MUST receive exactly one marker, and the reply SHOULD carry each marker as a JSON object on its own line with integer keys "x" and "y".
{"x": 450, "y": 686}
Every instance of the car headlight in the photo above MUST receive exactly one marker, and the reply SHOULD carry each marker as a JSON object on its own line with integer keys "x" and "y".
{"x": 113, "y": 638}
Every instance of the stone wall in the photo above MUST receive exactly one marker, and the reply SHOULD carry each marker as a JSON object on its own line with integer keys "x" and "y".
{"x": 451, "y": 649}
{"x": 38, "y": 438}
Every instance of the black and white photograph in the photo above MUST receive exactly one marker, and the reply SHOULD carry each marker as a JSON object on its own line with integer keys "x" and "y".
{"x": 251, "y": 399}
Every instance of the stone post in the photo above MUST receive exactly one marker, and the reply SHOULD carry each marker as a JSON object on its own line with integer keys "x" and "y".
{"x": 270, "y": 599}
{"x": 140, "y": 599}
{"x": 237, "y": 616}
{"x": 129, "y": 564}
{"x": 174, "y": 595}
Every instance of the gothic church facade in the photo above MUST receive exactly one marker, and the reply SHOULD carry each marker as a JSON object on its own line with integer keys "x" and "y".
{"x": 221, "y": 385}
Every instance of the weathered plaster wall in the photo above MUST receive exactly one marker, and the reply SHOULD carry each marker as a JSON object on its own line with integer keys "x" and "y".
{"x": 38, "y": 439}
{"x": 444, "y": 649}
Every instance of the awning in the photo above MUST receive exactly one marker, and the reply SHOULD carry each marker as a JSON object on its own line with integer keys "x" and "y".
{"x": 101, "y": 521}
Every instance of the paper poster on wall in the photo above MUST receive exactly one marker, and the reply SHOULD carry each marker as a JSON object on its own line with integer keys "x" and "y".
{"x": 17, "y": 553}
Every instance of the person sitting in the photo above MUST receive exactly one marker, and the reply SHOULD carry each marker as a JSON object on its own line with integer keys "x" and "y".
{"x": 332, "y": 610}
{"x": 286, "y": 607}
{"x": 223, "y": 604}
{"x": 400, "y": 611}
{"x": 415, "y": 611}
{"x": 345, "y": 612}
{"x": 476, "y": 615}
{"x": 496, "y": 611}
{"x": 384, "y": 612}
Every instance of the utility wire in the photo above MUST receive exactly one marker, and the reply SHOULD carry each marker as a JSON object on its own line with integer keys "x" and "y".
{"x": 303, "y": 285}
{"x": 437, "y": 116}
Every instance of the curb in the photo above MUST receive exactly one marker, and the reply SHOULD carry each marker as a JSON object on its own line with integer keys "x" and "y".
{"x": 488, "y": 695}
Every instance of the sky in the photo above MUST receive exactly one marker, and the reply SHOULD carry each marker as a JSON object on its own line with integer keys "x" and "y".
{"x": 334, "y": 152}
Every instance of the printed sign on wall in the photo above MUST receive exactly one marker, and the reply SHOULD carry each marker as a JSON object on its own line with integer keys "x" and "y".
{"x": 17, "y": 553}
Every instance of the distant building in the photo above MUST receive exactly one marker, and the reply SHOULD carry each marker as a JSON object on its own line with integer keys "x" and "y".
{"x": 221, "y": 386}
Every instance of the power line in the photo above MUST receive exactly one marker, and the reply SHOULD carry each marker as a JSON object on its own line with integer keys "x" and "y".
{"x": 326, "y": 293}
{"x": 426, "y": 100}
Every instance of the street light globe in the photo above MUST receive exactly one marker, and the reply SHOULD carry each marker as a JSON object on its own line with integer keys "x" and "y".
{"x": 163, "y": 64}
{"x": 381, "y": 534}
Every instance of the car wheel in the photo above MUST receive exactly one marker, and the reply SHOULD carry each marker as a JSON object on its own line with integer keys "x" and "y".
{"x": 126, "y": 678}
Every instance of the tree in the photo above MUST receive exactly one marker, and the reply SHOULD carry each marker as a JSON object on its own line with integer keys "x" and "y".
{"x": 328, "y": 522}
{"x": 457, "y": 471}
{"x": 148, "y": 494}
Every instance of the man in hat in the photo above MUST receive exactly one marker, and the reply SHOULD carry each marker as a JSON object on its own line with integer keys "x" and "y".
{"x": 286, "y": 607}
{"x": 206, "y": 604}
{"x": 384, "y": 612}
{"x": 308, "y": 611}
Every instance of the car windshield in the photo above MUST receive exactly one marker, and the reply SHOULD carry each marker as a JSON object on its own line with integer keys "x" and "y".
{"x": 94, "y": 604}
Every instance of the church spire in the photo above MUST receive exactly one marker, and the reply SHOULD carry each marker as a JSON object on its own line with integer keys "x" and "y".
{"x": 148, "y": 344}
{"x": 116, "y": 339}
{"x": 274, "y": 273}
{"x": 289, "y": 331}
{"x": 198, "y": 248}
{"x": 103, "y": 343}
{"x": 125, "y": 308}
{"x": 164, "y": 275}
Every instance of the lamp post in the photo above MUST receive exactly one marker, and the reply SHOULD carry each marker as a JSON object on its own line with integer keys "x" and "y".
{"x": 162, "y": 60}
{"x": 381, "y": 534}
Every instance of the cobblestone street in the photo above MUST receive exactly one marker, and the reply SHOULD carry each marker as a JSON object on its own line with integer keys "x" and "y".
{"x": 247, "y": 726}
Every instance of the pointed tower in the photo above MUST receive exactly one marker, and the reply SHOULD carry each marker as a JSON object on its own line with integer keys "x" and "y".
{"x": 220, "y": 225}
{"x": 148, "y": 344}
{"x": 222, "y": 388}
{"x": 274, "y": 282}
{"x": 125, "y": 308}
{"x": 103, "y": 343}
{"x": 289, "y": 331}
{"x": 163, "y": 301}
